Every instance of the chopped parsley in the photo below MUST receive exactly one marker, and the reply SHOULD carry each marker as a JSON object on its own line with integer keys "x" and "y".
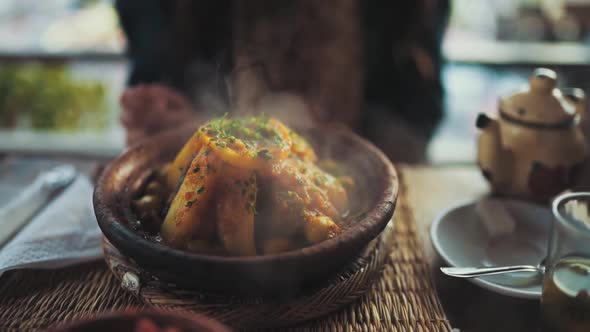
{"x": 264, "y": 154}
{"x": 319, "y": 180}
{"x": 299, "y": 180}
{"x": 254, "y": 133}
{"x": 251, "y": 208}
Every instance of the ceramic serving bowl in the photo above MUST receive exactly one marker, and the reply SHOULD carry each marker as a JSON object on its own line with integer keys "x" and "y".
{"x": 127, "y": 321}
{"x": 279, "y": 274}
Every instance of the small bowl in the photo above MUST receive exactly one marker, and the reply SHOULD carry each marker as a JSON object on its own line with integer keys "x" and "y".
{"x": 283, "y": 274}
{"x": 126, "y": 321}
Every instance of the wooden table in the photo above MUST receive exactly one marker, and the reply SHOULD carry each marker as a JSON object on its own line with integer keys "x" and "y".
{"x": 430, "y": 191}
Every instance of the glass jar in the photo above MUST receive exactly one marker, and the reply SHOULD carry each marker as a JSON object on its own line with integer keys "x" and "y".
{"x": 565, "y": 303}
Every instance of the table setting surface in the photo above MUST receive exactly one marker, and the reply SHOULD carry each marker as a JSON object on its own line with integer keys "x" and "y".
{"x": 409, "y": 295}
{"x": 401, "y": 298}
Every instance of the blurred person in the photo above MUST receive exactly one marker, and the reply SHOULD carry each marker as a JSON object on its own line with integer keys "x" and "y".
{"x": 373, "y": 66}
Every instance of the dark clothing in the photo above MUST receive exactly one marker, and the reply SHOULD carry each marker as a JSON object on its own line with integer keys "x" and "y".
{"x": 183, "y": 43}
{"x": 145, "y": 24}
{"x": 395, "y": 34}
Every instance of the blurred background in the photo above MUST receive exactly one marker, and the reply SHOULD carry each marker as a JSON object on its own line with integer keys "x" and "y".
{"x": 62, "y": 69}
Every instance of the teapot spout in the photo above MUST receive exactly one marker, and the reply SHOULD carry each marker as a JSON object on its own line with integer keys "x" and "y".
{"x": 577, "y": 97}
{"x": 483, "y": 121}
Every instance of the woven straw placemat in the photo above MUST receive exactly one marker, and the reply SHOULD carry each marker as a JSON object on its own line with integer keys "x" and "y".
{"x": 253, "y": 312}
{"x": 401, "y": 299}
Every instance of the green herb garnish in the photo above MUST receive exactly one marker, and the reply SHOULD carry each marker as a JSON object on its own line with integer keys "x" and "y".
{"x": 264, "y": 154}
{"x": 251, "y": 207}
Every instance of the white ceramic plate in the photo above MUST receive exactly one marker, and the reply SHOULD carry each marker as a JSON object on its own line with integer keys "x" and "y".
{"x": 460, "y": 238}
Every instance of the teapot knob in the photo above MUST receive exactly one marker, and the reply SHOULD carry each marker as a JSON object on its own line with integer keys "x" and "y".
{"x": 575, "y": 95}
{"x": 543, "y": 80}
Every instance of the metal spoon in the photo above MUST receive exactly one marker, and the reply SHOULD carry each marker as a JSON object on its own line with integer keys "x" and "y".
{"x": 473, "y": 272}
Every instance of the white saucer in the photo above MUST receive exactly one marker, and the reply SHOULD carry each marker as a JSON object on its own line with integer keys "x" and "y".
{"x": 461, "y": 240}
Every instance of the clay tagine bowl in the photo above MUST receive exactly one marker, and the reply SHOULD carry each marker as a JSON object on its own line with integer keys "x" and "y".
{"x": 133, "y": 321}
{"x": 283, "y": 274}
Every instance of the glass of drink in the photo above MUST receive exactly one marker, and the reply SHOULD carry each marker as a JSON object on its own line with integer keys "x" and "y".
{"x": 565, "y": 303}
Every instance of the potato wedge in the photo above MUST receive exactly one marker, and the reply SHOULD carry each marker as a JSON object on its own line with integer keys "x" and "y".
{"x": 319, "y": 227}
{"x": 293, "y": 175}
{"x": 332, "y": 186}
{"x": 187, "y": 211}
{"x": 236, "y": 209}
{"x": 188, "y": 152}
{"x": 286, "y": 215}
{"x": 302, "y": 148}
{"x": 277, "y": 245}
{"x": 252, "y": 143}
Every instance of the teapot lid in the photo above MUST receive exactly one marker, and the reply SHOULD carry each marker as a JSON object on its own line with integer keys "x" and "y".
{"x": 540, "y": 104}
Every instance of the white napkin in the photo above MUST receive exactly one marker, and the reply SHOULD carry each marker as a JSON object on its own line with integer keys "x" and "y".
{"x": 64, "y": 233}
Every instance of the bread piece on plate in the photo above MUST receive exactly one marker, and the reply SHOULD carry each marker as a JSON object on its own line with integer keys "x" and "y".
{"x": 495, "y": 217}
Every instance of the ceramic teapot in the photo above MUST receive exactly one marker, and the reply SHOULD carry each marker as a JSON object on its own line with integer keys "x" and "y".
{"x": 534, "y": 144}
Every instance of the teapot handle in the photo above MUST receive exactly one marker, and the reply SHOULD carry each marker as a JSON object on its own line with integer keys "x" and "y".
{"x": 578, "y": 98}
